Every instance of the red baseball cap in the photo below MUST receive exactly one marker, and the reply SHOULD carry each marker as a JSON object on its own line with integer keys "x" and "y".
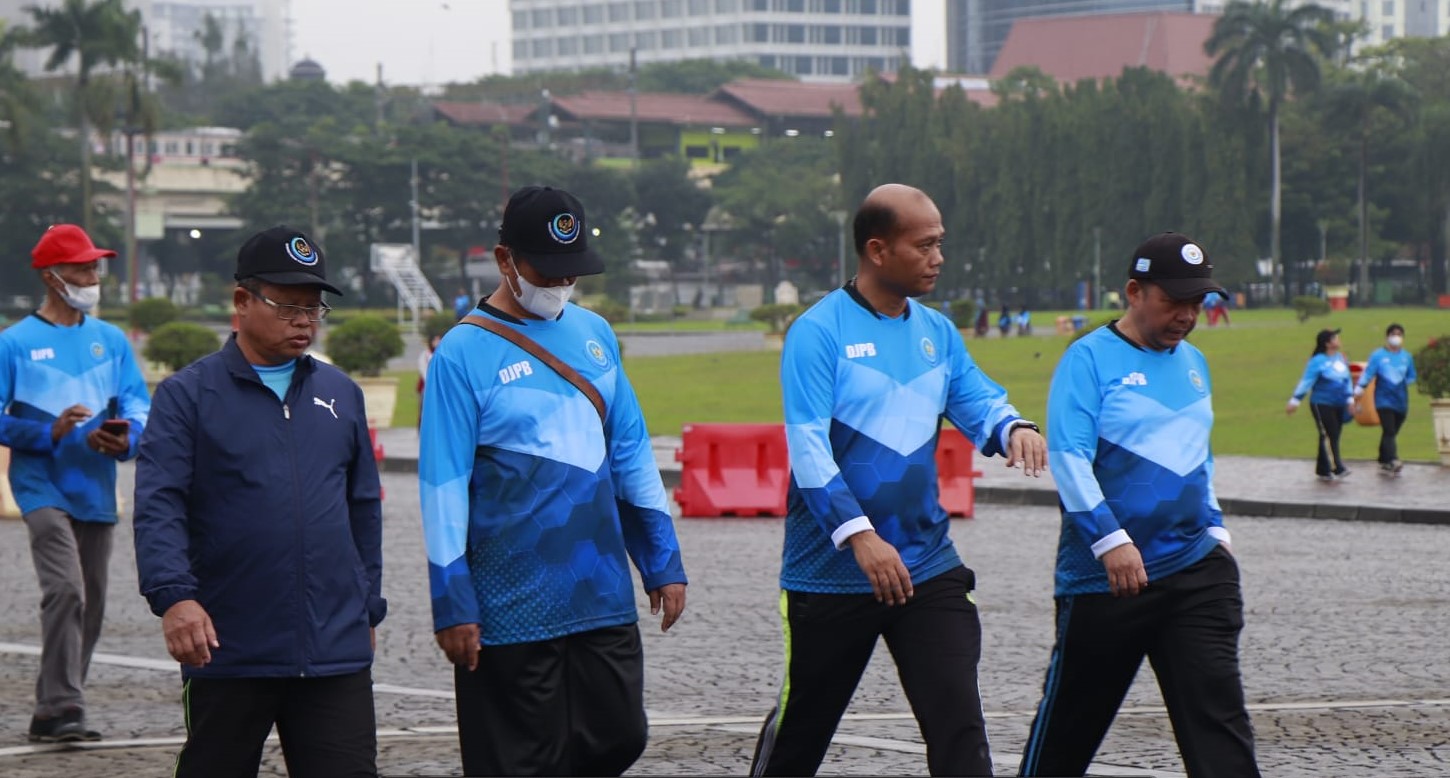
{"x": 65, "y": 244}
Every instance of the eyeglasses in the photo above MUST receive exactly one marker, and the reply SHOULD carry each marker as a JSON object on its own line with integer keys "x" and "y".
{"x": 314, "y": 313}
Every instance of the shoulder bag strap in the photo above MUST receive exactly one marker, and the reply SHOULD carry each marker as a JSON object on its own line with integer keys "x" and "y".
{"x": 528, "y": 344}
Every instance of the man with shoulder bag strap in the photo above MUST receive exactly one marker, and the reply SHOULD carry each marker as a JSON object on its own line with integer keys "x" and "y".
{"x": 539, "y": 485}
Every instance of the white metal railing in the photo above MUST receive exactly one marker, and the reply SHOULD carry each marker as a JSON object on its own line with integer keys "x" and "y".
{"x": 397, "y": 263}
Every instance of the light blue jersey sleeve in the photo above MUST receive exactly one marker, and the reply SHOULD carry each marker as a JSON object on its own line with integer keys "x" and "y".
{"x": 133, "y": 400}
{"x": 644, "y": 509}
{"x": 1074, "y": 405}
{"x": 21, "y": 434}
{"x": 1312, "y": 369}
{"x": 447, "y": 441}
{"x": 808, "y": 378}
{"x": 1371, "y": 368}
{"x": 976, "y": 404}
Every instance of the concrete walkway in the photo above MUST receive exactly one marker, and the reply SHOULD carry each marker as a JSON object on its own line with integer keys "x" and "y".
{"x": 1246, "y": 486}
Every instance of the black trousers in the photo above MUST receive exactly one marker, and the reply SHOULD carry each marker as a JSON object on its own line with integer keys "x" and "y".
{"x": 568, "y": 706}
{"x": 936, "y": 640}
{"x": 327, "y": 726}
{"x": 1391, "y": 421}
{"x": 1188, "y": 626}
{"x": 1329, "y": 420}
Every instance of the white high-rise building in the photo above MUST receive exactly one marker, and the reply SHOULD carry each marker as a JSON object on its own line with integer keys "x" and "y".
{"x": 1387, "y": 19}
{"x": 817, "y": 40}
{"x": 173, "y": 27}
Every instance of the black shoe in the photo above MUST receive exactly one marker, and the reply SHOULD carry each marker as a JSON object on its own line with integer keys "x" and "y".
{"x": 68, "y": 727}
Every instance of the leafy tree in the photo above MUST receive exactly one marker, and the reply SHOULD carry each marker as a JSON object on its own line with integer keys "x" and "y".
{"x": 1265, "y": 52}
{"x": 95, "y": 33}
{"x": 701, "y": 76}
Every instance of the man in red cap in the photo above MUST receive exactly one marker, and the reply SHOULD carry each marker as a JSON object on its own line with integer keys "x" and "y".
{"x": 74, "y": 405}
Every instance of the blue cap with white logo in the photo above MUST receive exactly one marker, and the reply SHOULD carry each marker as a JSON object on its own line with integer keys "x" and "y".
{"x": 283, "y": 256}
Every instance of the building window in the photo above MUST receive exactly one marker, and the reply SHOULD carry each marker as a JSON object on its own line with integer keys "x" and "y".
{"x": 644, "y": 9}
{"x": 568, "y": 47}
{"x": 795, "y": 6}
{"x": 726, "y": 6}
{"x": 766, "y": 60}
{"x": 868, "y": 6}
{"x": 699, "y": 36}
{"x": 840, "y": 66}
{"x": 902, "y": 36}
{"x": 521, "y": 49}
{"x": 542, "y": 18}
{"x": 1387, "y": 8}
{"x": 593, "y": 14}
{"x": 868, "y": 36}
{"x": 593, "y": 44}
{"x": 648, "y": 41}
{"x": 832, "y": 6}
{"x": 761, "y": 5}
{"x": 1387, "y": 32}
{"x": 795, "y": 33}
{"x": 670, "y": 9}
{"x": 619, "y": 12}
{"x": 697, "y": 152}
{"x": 760, "y": 33}
{"x": 831, "y": 34}
{"x": 521, "y": 20}
{"x": 699, "y": 7}
{"x": 802, "y": 66}
{"x": 543, "y": 49}
{"x": 727, "y": 34}
{"x": 568, "y": 16}
{"x": 671, "y": 39}
{"x": 619, "y": 41}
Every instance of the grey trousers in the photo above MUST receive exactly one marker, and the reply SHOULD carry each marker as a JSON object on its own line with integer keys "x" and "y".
{"x": 71, "y": 561}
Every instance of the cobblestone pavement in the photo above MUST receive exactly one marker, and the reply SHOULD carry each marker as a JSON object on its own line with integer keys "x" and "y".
{"x": 1344, "y": 657}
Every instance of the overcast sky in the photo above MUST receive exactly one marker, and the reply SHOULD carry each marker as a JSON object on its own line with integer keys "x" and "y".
{"x": 433, "y": 41}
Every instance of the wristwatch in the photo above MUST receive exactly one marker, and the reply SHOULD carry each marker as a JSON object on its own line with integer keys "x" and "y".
{"x": 1023, "y": 423}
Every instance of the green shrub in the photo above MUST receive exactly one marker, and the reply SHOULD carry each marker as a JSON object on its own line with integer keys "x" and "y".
{"x": 611, "y": 311}
{"x": 149, "y": 314}
{"x": 177, "y": 344}
{"x": 437, "y": 324}
{"x": 1309, "y": 305}
{"x": 964, "y": 314}
{"x": 777, "y": 316}
{"x": 1432, "y": 365}
{"x": 364, "y": 344}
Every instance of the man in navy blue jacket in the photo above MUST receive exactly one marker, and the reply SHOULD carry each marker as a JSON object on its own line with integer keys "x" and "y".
{"x": 259, "y": 533}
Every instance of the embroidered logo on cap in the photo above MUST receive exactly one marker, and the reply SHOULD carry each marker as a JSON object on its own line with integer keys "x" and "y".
{"x": 1192, "y": 254}
{"x": 301, "y": 251}
{"x": 1143, "y": 264}
{"x": 564, "y": 228}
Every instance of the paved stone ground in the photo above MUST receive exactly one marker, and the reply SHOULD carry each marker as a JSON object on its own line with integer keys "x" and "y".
{"x": 1344, "y": 657}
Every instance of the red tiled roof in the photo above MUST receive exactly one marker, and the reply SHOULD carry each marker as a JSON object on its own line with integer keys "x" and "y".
{"x": 778, "y": 97}
{"x": 471, "y": 113}
{"x": 1071, "y": 48}
{"x": 652, "y": 107}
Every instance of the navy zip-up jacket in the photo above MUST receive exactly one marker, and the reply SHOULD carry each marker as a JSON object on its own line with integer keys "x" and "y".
{"x": 267, "y": 513}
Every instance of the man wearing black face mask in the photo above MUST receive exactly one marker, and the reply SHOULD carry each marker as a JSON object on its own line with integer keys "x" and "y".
{"x": 538, "y": 488}
{"x": 74, "y": 405}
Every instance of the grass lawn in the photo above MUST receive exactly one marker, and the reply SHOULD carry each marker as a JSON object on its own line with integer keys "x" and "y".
{"x": 1255, "y": 364}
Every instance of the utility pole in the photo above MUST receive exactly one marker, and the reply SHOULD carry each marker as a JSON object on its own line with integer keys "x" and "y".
{"x": 840, "y": 217}
{"x": 417, "y": 242}
{"x": 1097, "y": 298}
{"x": 133, "y": 262}
{"x": 633, "y": 112}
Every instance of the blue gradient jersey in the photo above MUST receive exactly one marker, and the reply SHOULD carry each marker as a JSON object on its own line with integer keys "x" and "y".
{"x": 864, "y": 398}
{"x": 44, "y": 369}
{"x": 1326, "y": 380}
{"x": 1128, "y": 443}
{"x": 1395, "y": 371}
{"x": 531, "y": 512}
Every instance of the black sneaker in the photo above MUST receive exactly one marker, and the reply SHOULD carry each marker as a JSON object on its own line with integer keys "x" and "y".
{"x": 68, "y": 727}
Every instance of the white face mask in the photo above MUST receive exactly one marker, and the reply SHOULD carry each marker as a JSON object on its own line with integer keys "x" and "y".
{"x": 1395, "y": 341}
{"x": 81, "y": 298}
{"x": 545, "y": 302}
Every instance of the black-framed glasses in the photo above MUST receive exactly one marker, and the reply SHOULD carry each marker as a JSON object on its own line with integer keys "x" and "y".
{"x": 285, "y": 312}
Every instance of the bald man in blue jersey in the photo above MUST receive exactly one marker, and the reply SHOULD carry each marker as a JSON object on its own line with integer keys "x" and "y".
{"x": 1143, "y": 566}
{"x": 868, "y": 374}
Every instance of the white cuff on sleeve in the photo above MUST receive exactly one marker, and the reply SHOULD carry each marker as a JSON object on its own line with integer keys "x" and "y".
{"x": 1220, "y": 534}
{"x": 1109, "y": 542}
{"x": 852, "y": 527}
{"x": 1293, "y": 402}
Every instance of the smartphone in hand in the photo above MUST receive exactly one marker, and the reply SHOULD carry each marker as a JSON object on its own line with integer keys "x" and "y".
{"x": 118, "y": 427}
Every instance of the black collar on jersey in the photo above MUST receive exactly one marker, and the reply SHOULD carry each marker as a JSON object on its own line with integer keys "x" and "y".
{"x": 1113, "y": 325}
{"x": 486, "y": 307}
{"x": 861, "y": 300}
{"x": 36, "y": 314}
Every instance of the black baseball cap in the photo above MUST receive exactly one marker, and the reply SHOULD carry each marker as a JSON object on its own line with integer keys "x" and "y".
{"x": 283, "y": 256}
{"x": 547, "y": 228}
{"x": 1322, "y": 338}
{"x": 1175, "y": 264}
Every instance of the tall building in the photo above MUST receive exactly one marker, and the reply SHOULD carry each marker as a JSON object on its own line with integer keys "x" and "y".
{"x": 173, "y": 28}
{"x": 976, "y": 29}
{"x": 817, "y": 40}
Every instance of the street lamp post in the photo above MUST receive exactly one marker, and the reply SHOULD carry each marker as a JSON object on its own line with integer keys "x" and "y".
{"x": 840, "y": 217}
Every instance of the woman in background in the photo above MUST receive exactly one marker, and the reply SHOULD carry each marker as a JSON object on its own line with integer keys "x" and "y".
{"x": 1331, "y": 400}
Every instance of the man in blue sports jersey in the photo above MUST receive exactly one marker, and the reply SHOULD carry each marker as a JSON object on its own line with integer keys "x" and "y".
{"x": 534, "y": 502}
{"x": 867, "y": 374}
{"x": 1143, "y": 566}
{"x": 1393, "y": 369}
{"x": 74, "y": 404}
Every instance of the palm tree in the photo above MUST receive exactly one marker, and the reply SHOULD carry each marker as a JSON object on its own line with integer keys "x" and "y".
{"x": 1353, "y": 102}
{"x": 1264, "y": 52}
{"x": 94, "y": 34}
{"x": 17, "y": 99}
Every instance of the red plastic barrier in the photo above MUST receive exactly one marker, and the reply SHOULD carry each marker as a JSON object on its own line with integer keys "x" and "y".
{"x": 733, "y": 470}
{"x": 377, "y": 454}
{"x": 954, "y": 473}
